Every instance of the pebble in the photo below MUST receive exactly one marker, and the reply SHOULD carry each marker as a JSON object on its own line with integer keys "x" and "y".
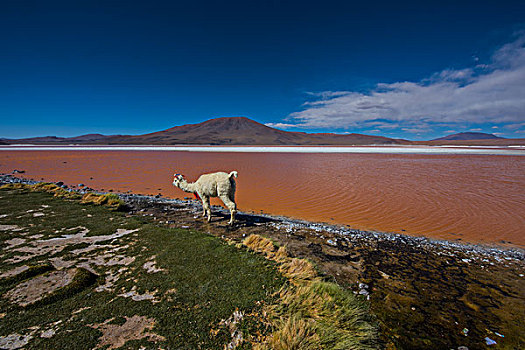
{"x": 363, "y": 286}
{"x": 489, "y": 341}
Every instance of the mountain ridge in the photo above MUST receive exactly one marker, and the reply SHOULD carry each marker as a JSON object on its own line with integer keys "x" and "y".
{"x": 221, "y": 131}
{"x": 237, "y": 131}
{"x": 468, "y": 136}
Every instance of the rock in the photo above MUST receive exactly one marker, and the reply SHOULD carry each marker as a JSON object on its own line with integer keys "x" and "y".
{"x": 363, "y": 286}
{"x": 489, "y": 341}
{"x": 384, "y": 275}
{"x": 48, "y": 333}
{"x": 14, "y": 341}
{"x": 16, "y": 171}
{"x": 363, "y": 292}
{"x": 462, "y": 348}
{"x": 59, "y": 183}
{"x": 332, "y": 242}
{"x": 80, "y": 185}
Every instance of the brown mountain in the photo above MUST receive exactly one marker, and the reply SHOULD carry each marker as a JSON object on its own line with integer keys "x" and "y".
{"x": 500, "y": 142}
{"x": 469, "y": 136}
{"x": 472, "y": 139}
{"x": 89, "y": 138}
{"x": 220, "y": 131}
{"x": 244, "y": 131}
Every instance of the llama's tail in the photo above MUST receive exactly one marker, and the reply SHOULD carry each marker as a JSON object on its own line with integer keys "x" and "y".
{"x": 233, "y": 173}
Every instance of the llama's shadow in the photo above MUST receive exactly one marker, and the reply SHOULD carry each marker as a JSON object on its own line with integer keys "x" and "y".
{"x": 242, "y": 220}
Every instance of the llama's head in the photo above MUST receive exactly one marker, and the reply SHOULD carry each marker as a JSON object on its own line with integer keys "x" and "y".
{"x": 177, "y": 178}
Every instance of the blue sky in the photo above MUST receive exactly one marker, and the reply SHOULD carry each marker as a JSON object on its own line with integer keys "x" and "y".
{"x": 416, "y": 70}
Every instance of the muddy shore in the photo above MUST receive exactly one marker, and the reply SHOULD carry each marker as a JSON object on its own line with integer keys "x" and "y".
{"x": 426, "y": 294}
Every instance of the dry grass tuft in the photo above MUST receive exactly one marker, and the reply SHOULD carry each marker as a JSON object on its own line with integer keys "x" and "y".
{"x": 259, "y": 244}
{"x": 295, "y": 333}
{"x": 310, "y": 313}
{"x": 298, "y": 270}
{"x": 14, "y": 187}
{"x": 55, "y": 190}
{"x": 281, "y": 255}
{"x": 110, "y": 200}
{"x": 335, "y": 318}
{"x": 91, "y": 198}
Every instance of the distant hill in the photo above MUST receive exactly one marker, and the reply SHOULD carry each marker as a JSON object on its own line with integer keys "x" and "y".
{"x": 53, "y": 139}
{"x": 244, "y": 131}
{"x": 221, "y": 131}
{"x": 468, "y": 136}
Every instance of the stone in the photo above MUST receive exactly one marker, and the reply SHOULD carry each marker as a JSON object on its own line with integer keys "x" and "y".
{"x": 14, "y": 341}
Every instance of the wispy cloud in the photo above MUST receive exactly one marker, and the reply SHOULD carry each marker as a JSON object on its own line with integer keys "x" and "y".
{"x": 492, "y": 93}
{"x": 281, "y": 125}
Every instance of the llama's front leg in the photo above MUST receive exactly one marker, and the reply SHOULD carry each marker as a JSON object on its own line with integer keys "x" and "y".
{"x": 231, "y": 206}
{"x": 206, "y": 207}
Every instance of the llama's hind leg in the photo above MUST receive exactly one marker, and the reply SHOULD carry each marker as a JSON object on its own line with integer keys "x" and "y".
{"x": 230, "y": 204}
{"x": 206, "y": 207}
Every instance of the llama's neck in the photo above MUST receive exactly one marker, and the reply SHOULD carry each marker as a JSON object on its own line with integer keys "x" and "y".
{"x": 187, "y": 186}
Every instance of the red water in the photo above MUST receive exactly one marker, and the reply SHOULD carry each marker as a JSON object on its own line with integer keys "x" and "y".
{"x": 474, "y": 198}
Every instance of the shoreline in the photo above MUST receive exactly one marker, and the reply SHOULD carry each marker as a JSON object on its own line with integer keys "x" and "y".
{"x": 477, "y": 250}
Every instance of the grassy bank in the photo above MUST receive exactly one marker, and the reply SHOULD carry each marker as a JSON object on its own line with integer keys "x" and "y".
{"x": 78, "y": 273}
{"x": 180, "y": 283}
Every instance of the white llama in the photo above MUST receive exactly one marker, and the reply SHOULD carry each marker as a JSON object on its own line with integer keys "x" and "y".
{"x": 218, "y": 184}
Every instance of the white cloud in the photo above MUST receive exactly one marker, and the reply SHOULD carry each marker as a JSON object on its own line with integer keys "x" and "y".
{"x": 515, "y": 126}
{"x": 476, "y": 129}
{"x": 485, "y": 93}
{"x": 416, "y": 130}
{"x": 281, "y": 125}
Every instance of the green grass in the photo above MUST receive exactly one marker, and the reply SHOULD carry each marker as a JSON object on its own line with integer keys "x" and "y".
{"x": 204, "y": 279}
